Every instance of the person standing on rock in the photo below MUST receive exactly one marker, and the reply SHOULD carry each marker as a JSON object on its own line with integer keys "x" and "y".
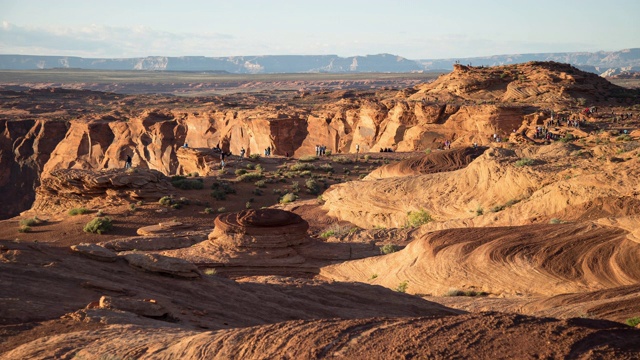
{"x": 242, "y": 151}
{"x": 127, "y": 163}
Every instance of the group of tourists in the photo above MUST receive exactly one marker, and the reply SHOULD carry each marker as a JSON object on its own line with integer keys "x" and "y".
{"x": 267, "y": 151}
{"x": 386, "y": 150}
{"x": 321, "y": 150}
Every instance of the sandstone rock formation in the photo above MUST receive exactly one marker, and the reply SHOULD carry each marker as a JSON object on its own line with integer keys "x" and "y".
{"x": 75, "y": 187}
{"x": 468, "y": 105}
{"x": 95, "y": 252}
{"x": 164, "y": 265}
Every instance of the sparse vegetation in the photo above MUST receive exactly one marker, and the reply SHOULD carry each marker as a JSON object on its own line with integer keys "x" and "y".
{"x": 418, "y": 218}
{"x": 165, "y": 201}
{"x": 388, "y": 249}
{"x": 457, "y": 292}
{"x": 222, "y": 209}
{"x": 249, "y": 177}
{"x": 78, "y": 211}
{"x": 239, "y": 172}
{"x": 338, "y": 230}
{"x": 624, "y": 137}
{"x": 98, "y": 225}
{"x": 181, "y": 182}
{"x": 254, "y": 157}
{"x": 34, "y": 221}
{"x": 308, "y": 158}
{"x": 555, "y": 221}
{"x": 288, "y": 197}
{"x": 479, "y": 211}
{"x": 374, "y": 276}
{"x": 312, "y": 187}
{"x": 208, "y": 210}
{"x": 301, "y": 167}
{"x": 402, "y": 287}
{"x": 210, "y": 271}
{"x": 524, "y": 162}
{"x": 24, "y": 229}
{"x": 634, "y": 321}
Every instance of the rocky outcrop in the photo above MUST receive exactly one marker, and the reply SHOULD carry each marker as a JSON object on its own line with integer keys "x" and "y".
{"x": 96, "y": 252}
{"x": 75, "y": 187}
{"x": 163, "y": 265}
{"x": 153, "y": 243}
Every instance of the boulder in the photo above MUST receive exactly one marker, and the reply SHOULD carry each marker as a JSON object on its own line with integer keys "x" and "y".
{"x": 146, "y": 307}
{"x": 96, "y": 252}
{"x": 161, "y": 264}
{"x": 151, "y": 243}
{"x": 162, "y": 228}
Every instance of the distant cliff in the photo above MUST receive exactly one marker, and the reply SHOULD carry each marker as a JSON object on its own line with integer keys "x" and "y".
{"x": 235, "y": 65}
{"x": 601, "y": 62}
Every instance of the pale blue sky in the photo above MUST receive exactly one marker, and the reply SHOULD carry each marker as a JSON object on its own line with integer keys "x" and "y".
{"x": 412, "y": 29}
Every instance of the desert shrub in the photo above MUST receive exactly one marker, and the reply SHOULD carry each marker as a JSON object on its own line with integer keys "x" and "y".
{"x": 367, "y": 158}
{"x": 247, "y": 205}
{"x": 78, "y": 211}
{"x": 277, "y": 191}
{"x": 555, "y": 221}
{"x": 165, "y": 201}
{"x": 342, "y": 160}
{"x": 402, "y": 287}
{"x": 634, "y": 321}
{"x": 511, "y": 202}
{"x": 581, "y": 101}
{"x": 251, "y": 166}
{"x": 326, "y": 167}
{"x": 176, "y": 206}
{"x": 295, "y": 187}
{"x": 260, "y": 183}
{"x": 249, "y": 177}
{"x": 218, "y": 194}
{"x": 457, "y": 292}
{"x": 98, "y": 225}
{"x": 337, "y": 230}
{"x": 305, "y": 173}
{"x": 624, "y": 137}
{"x": 497, "y": 208}
{"x": 454, "y": 292}
{"x": 31, "y": 221}
{"x": 524, "y": 162}
{"x": 239, "y": 172}
{"x": 100, "y": 213}
{"x": 301, "y": 167}
{"x": 140, "y": 203}
{"x": 223, "y": 186}
{"x": 210, "y": 271}
{"x": 257, "y": 192}
{"x": 479, "y": 211}
{"x": 208, "y": 210}
{"x": 132, "y": 207}
{"x": 418, "y": 218}
{"x": 312, "y": 187}
{"x": 288, "y": 197}
{"x": 24, "y": 229}
{"x": 254, "y": 156}
{"x": 427, "y": 151}
{"x": 388, "y": 249}
{"x": 222, "y": 209}
{"x": 374, "y": 276}
{"x": 309, "y": 158}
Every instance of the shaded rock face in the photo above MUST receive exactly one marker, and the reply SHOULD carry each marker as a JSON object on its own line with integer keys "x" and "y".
{"x": 74, "y": 187}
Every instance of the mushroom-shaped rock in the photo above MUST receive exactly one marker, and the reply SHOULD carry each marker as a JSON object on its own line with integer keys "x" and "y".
{"x": 162, "y": 264}
{"x": 263, "y": 228}
{"x": 96, "y": 252}
{"x": 148, "y": 308}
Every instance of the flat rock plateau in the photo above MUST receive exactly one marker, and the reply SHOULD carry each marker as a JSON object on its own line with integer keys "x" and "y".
{"x": 491, "y": 213}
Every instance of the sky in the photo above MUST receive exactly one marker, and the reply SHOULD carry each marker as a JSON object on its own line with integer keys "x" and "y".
{"x": 428, "y": 29}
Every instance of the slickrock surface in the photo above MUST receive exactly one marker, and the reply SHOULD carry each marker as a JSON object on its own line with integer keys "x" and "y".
{"x": 162, "y": 264}
{"x": 95, "y": 252}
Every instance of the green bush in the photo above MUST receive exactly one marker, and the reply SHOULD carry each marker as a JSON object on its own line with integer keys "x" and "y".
{"x": 326, "y": 167}
{"x": 222, "y": 209}
{"x": 187, "y": 184}
{"x": 312, "y": 187}
{"x": 342, "y": 160}
{"x": 247, "y": 205}
{"x": 24, "y": 229}
{"x": 418, "y": 218}
{"x": 165, "y": 201}
{"x": 567, "y": 138}
{"x": 239, "y": 172}
{"x": 301, "y": 166}
{"x": 309, "y": 158}
{"x": 338, "y": 230}
{"x": 78, "y": 211}
{"x": 208, "y": 210}
{"x": 249, "y": 177}
{"x": 388, "y": 249}
{"x": 254, "y": 156}
{"x": 218, "y": 194}
{"x": 624, "y": 137}
{"x": 524, "y": 162}
{"x": 260, "y": 183}
{"x": 250, "y": 167}
{"x": 634, "y": 321}
{"x": 98, "y": 225}
{"x": 31, "y": 221}
{"x": 288, "y": 197}
{"x": 402, "y": 287}
{"x": 555, "y": 221}
{"x": 210, "y": 271}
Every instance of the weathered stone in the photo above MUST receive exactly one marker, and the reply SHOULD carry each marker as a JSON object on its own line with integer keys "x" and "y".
{"x": 148, "y": 308}
{"x": 162, "y": 264}
{"x": 169, "y": 227}
{"x": 152, "y": 243}
{"x": 95, "y": 252}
